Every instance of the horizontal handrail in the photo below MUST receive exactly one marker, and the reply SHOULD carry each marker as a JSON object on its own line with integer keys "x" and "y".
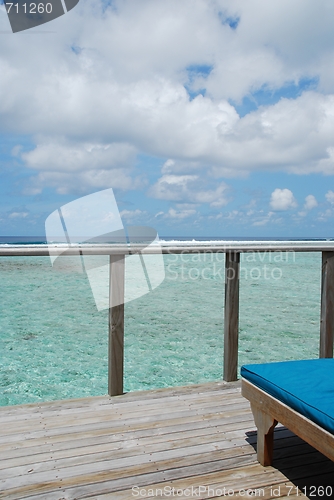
{"x": 167, "y": 248}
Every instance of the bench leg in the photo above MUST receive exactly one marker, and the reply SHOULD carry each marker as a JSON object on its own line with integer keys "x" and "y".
{"x": 265, "y": 435}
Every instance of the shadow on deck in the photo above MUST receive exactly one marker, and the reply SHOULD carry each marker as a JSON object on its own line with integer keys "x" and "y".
{"x": 199, "y": 440}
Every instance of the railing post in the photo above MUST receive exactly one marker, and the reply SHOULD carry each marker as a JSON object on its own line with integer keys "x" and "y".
{"x": 116, "y": 325}
{"x": 327, "y": 306}
{"x": 231, "y": 315}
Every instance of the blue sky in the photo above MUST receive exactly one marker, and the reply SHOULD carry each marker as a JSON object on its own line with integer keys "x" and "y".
{"x": 207, "y": 118}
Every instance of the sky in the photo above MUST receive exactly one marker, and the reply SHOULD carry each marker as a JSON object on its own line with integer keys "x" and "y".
{"x": 206, "y": 117}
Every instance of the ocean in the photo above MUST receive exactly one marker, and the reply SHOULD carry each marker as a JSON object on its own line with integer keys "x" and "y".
{"x": 54, "y": 341}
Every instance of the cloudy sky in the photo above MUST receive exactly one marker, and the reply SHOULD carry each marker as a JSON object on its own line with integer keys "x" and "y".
{"x": 206, "y": 117}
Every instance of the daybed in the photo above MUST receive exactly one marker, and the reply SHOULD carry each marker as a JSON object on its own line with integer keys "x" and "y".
{"x": 299, "y": 395}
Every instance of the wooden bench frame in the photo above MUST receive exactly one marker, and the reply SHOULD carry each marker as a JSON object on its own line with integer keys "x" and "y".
{"x": 268, "y": 411}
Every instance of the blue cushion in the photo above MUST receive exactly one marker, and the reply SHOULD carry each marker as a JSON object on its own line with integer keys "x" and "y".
{"x": 307, "y": 386}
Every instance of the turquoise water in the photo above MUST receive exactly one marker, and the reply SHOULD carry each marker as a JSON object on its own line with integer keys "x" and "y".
{"x": 53, "y": 341}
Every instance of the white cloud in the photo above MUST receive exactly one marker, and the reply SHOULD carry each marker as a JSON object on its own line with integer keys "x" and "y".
{"x": 81, "y": 182}
{"x": 310, "y": 202}
{"x": 181, "y": 214}
{"x": 282, "y": 199}
{"x": 263, "y": 220}
{"x": 173, "y": 187}
{"x": 216, "y": 198}
{"x": 74, "y": 166}
{"x": 18, "y": 215}
{"x": 330, "y": 197}
{"x": 122, "y": 92}
{"x": 74, "y": 157}
{"x": 188, "y": 188}
{"x": 132, "y": 214}
{"x": 327, "y": 214}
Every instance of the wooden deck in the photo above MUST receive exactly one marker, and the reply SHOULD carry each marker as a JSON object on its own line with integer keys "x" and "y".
{"x": 197, "y": 440}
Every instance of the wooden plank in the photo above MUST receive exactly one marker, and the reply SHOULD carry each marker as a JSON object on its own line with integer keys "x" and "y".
{"x": 242, "y": 478}
{"x": 114, "y": 413}
{"x": 30, "y": 417}
{"x": 98, "y": 429}
{"x": 83, "y": 440}
{"x": 115, "y": 481}
{"x": 90, "y": 482}
{"x": 92, "y": 459}
{"x": 116, "y": 419}
{"x": 218, "y": 400}
{"x": 327, "y": 306}
{"x": 92, "y": 446}
{"x": 73, "y": 441}
{"x": 116, "y": 324}
{"x": 229, "y": 476}
{"x": 141, "y": 397}
{"x": 231, "y": 315}
{"x": 75, "y": 469}
{"x": 210, "y": 457}
{"x": 111, "y": 460}
{"x": 78, "y": 431}
{"x": 121, "y": 425}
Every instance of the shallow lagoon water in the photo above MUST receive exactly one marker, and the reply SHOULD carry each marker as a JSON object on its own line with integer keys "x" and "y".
{"x": 53, "y": 340}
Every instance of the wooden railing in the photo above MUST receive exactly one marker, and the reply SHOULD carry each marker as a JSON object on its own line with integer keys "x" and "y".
{"x": 232, "y": 250}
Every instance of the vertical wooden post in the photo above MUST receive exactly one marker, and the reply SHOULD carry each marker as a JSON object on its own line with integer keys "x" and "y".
{"x": 327, "y": 306}
{"x": 116, "y": 325}
{"x": 231, "y": 315}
